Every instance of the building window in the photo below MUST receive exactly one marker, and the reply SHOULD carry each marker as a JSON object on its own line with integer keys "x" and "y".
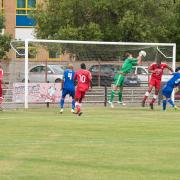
{"x": 2, "y": 13}
{"x": 23, "y": 9}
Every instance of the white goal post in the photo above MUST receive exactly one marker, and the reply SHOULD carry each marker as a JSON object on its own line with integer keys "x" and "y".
{"x": 157, "y": 45}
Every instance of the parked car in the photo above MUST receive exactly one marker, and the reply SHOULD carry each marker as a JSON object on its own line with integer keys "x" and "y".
{"x": 103, "y": 74}
{"x": 141, "y": 72}
{"x": 131, "y": 80}
{"x": 38, "y": 73}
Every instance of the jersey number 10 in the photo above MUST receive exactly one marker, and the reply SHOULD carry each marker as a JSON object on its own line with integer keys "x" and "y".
{"x": 82, "y": 78}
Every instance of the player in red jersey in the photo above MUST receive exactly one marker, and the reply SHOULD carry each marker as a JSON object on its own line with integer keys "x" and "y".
{"x": 156, "y": 70}
{"x": 1, "y": 94}
{"x": 83, "y": 78}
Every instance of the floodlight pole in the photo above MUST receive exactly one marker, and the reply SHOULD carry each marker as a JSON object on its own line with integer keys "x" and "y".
{"x": 26, "y": 75}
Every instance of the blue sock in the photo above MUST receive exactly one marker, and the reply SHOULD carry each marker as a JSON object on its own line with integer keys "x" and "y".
{"x": 73, "y": 103}
{"x": 62, "y": 103}
{"x": 164, "y": 105}
{"x": 171, "y": 102}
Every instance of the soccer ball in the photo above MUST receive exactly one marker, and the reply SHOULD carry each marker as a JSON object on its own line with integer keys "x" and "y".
{"x": 142, "y": 53}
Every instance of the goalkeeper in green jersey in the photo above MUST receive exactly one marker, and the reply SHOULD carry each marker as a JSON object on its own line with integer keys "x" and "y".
{"x": 120, "y": 75}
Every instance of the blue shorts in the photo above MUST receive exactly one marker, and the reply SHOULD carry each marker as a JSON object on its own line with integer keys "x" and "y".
{"x": 71, "y": 92}
{"x": 167, "y": 91}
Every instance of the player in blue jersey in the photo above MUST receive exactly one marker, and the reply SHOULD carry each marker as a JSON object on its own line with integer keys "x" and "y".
{"x": 167, "y": 90}
{"x": 68, "y": 87}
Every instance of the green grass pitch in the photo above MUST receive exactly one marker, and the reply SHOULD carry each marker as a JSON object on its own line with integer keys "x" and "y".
{"x": 108, "y": 144}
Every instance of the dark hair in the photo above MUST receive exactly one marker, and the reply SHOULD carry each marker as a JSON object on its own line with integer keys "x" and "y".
{"x": 177, "y": 69}
{"x": 126, "y": 55}
{"x": 83, "y": 66}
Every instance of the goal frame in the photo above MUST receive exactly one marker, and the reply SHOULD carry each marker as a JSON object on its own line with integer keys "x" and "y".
{"x": 27, "y": 41}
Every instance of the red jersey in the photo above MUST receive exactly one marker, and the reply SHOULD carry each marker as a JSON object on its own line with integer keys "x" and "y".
{"x": 1, "y": 74}
{"x": 84, "y": 78}
{"x": 1, "y": 77}
{"x": 158, "y": 70}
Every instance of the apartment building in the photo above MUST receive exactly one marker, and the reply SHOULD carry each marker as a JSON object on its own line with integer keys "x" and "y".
{"x": 21, "y": 26}
{"x": 18, "y": 23}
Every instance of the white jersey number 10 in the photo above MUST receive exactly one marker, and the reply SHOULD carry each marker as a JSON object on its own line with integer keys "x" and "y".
{"x": 82, "y": 78}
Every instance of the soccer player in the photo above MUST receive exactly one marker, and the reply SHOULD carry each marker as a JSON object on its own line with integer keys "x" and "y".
{"x": 83, "y": 78}
{"x": 1, "y": 93}
{"x": 120, "y": 76}
{"x": 68, "y": 87}
{"x": 167, "y": 90}
{"x": 156, "y": 70}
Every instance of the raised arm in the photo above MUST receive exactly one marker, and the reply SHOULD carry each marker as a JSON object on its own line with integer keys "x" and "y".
{"x": 168, "y": 67}
{"x": 141, "y": 53}
{"x": 139, "y": 62}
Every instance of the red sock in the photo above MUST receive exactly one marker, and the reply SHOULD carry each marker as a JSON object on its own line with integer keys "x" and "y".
{"x": 78, "y": 108}
{"x": 154, "y": 99}
{"x": 1, "y": 100}
{"x": 146, "y": 96}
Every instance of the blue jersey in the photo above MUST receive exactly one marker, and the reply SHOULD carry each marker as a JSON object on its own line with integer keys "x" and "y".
{"x": 69, "y": 79}
{"x": 174, "y": 81}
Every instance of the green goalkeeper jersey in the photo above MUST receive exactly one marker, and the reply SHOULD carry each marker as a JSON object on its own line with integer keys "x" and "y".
{"x": 128, "y": 64}
{"x": 126, "y": 68}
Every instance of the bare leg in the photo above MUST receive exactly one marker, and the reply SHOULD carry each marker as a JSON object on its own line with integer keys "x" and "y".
{"x": 146, "y": 95}
{"x": 154, "y": 98}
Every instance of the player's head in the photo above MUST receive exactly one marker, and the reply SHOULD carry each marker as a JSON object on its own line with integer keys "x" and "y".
{"x": 127, "y": 54}
{"x": 70, "y": 66}
{"x": 158, "y": 62}
{"x": 83, "y": 66}
{"x": 177, "y": 69}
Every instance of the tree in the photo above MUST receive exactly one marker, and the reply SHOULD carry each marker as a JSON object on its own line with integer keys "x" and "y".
{"x": 117, "y": 20}
{"x": 4, "y": 39}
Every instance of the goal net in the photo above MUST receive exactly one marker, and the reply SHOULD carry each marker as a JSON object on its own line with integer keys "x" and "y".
{"x": 39, "y": 64}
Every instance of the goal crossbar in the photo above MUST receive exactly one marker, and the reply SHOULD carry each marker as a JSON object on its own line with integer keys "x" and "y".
{"x": 99, "y": 42}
